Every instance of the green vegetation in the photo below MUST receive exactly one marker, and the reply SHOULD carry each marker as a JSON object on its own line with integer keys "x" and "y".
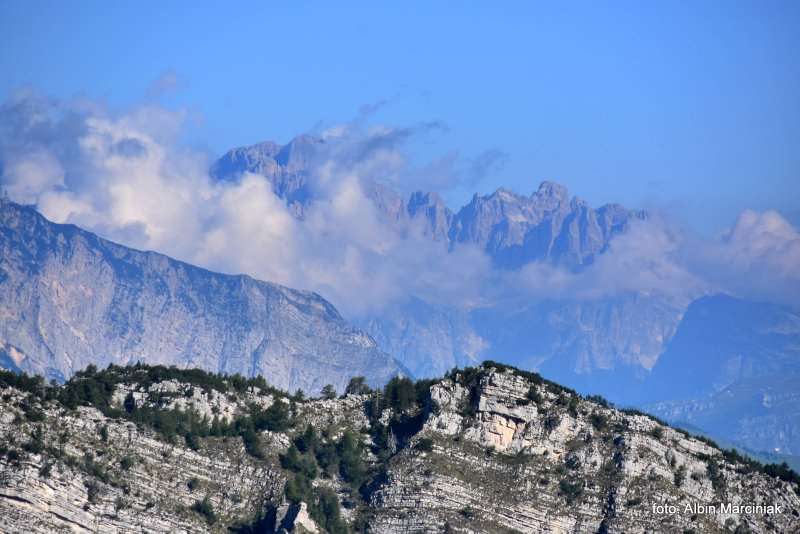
{"x": 551, "y": 422}
{"x": 126, "y": 463}
{"x": 572, "y": 461}
{"x": 357, "y": 386}
{"x": 36, "y": 443}
{"x": 400, "y": 394}
{"x": 598, "y": 399}
{"x": 46, "y": 469}
{"x": 396, "y": 414}
{"x": 572, "y": 405}
{"x": 424, "y": 445}
{"x": 92, "y": 491}
{"x": 679, "y": 476}
{"x": 782, "y": 471}
{"x": 598, "y": 420}
{"x": 192, "y": 441}
{"x": 91, "y": 387}
{"x": 533, "y": 395}
{"x": 571, "y": 490}
{"x": 308, "y": 456}
{"x": 205, "y": 509}
{"x": 328, "y": 392}
{"x": 715, "y": 475}
{"x": 325, "y": 510}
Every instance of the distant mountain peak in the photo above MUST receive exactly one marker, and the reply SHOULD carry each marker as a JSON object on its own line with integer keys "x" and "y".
{"x": 548, "y": 189}
{"x": 298, "y": 153}
{"x": 513, "y": 229}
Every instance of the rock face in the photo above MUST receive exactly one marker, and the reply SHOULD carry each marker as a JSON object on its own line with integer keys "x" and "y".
{"x": 428, "y": 338}
{"x": 69, "y": 299}
{"x": 286, "y": 167}
{"x": 545, "y": 226}
{"x": 597, "y": 345}
{"x": 552, "y": 465}
{"x": 489, "y": 450}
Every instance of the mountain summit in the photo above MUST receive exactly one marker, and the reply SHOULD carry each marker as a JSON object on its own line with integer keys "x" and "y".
{"x": 513, "y": 229}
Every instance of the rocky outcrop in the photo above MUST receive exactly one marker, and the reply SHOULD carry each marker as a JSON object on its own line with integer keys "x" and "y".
{"x": 485, "y": 450}
{"x": 531, "y": 459}
{"x": 69, "y": 299}
{"x": 128, "y": 481}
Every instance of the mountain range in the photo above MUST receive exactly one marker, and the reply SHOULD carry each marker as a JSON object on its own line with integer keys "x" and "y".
{"x": 69, "y": 298}
{"x": 547, "y": 226}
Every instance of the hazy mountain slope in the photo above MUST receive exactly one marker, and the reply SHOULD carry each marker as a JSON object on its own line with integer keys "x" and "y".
{"x": 725, "y": 340}
{"x": 428, "y": 338}
{"x": 69, "y": 298}
{"x": 600, "y": 346}
{"x": 733, "y": 369}
{"x": 487, "y": 450}
{"x": 760, "y": 413}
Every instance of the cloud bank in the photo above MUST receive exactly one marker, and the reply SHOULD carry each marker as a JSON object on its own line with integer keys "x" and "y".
{"x": 128, "y": 177}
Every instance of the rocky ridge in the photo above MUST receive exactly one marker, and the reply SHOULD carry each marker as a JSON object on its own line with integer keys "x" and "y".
{"x": 513, "y": 229}
{"x": 69, "y": 299}
{"x": 487, "y": 449}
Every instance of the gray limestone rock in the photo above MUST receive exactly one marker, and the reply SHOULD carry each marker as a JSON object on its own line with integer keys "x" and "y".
{"x": 69, "y": 299}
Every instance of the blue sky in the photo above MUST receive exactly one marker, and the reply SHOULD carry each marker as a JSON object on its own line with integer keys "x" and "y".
{"x": 690, "y": 107}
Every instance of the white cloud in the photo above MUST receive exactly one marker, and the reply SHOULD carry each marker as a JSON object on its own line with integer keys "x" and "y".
{"x": 646, "y": 259}
{"x": 25, "y": 177}
{"x": 758, "y": 258}
{"x": 128, "y": 178}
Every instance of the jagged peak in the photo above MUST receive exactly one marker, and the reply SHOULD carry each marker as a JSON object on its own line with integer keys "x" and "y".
{"x": 501, "y": 194}
{"x": 424, "y": 198}
{"x": 548, "y": 189}
{"x": 298, "y": 150}
{"x": 263, "y": 148}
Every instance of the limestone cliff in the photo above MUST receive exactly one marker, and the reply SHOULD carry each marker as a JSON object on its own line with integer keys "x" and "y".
{"x": 487, "y": 449}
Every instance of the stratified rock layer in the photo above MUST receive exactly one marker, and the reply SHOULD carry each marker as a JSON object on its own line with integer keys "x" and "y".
{"x": 490, "y": 450}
